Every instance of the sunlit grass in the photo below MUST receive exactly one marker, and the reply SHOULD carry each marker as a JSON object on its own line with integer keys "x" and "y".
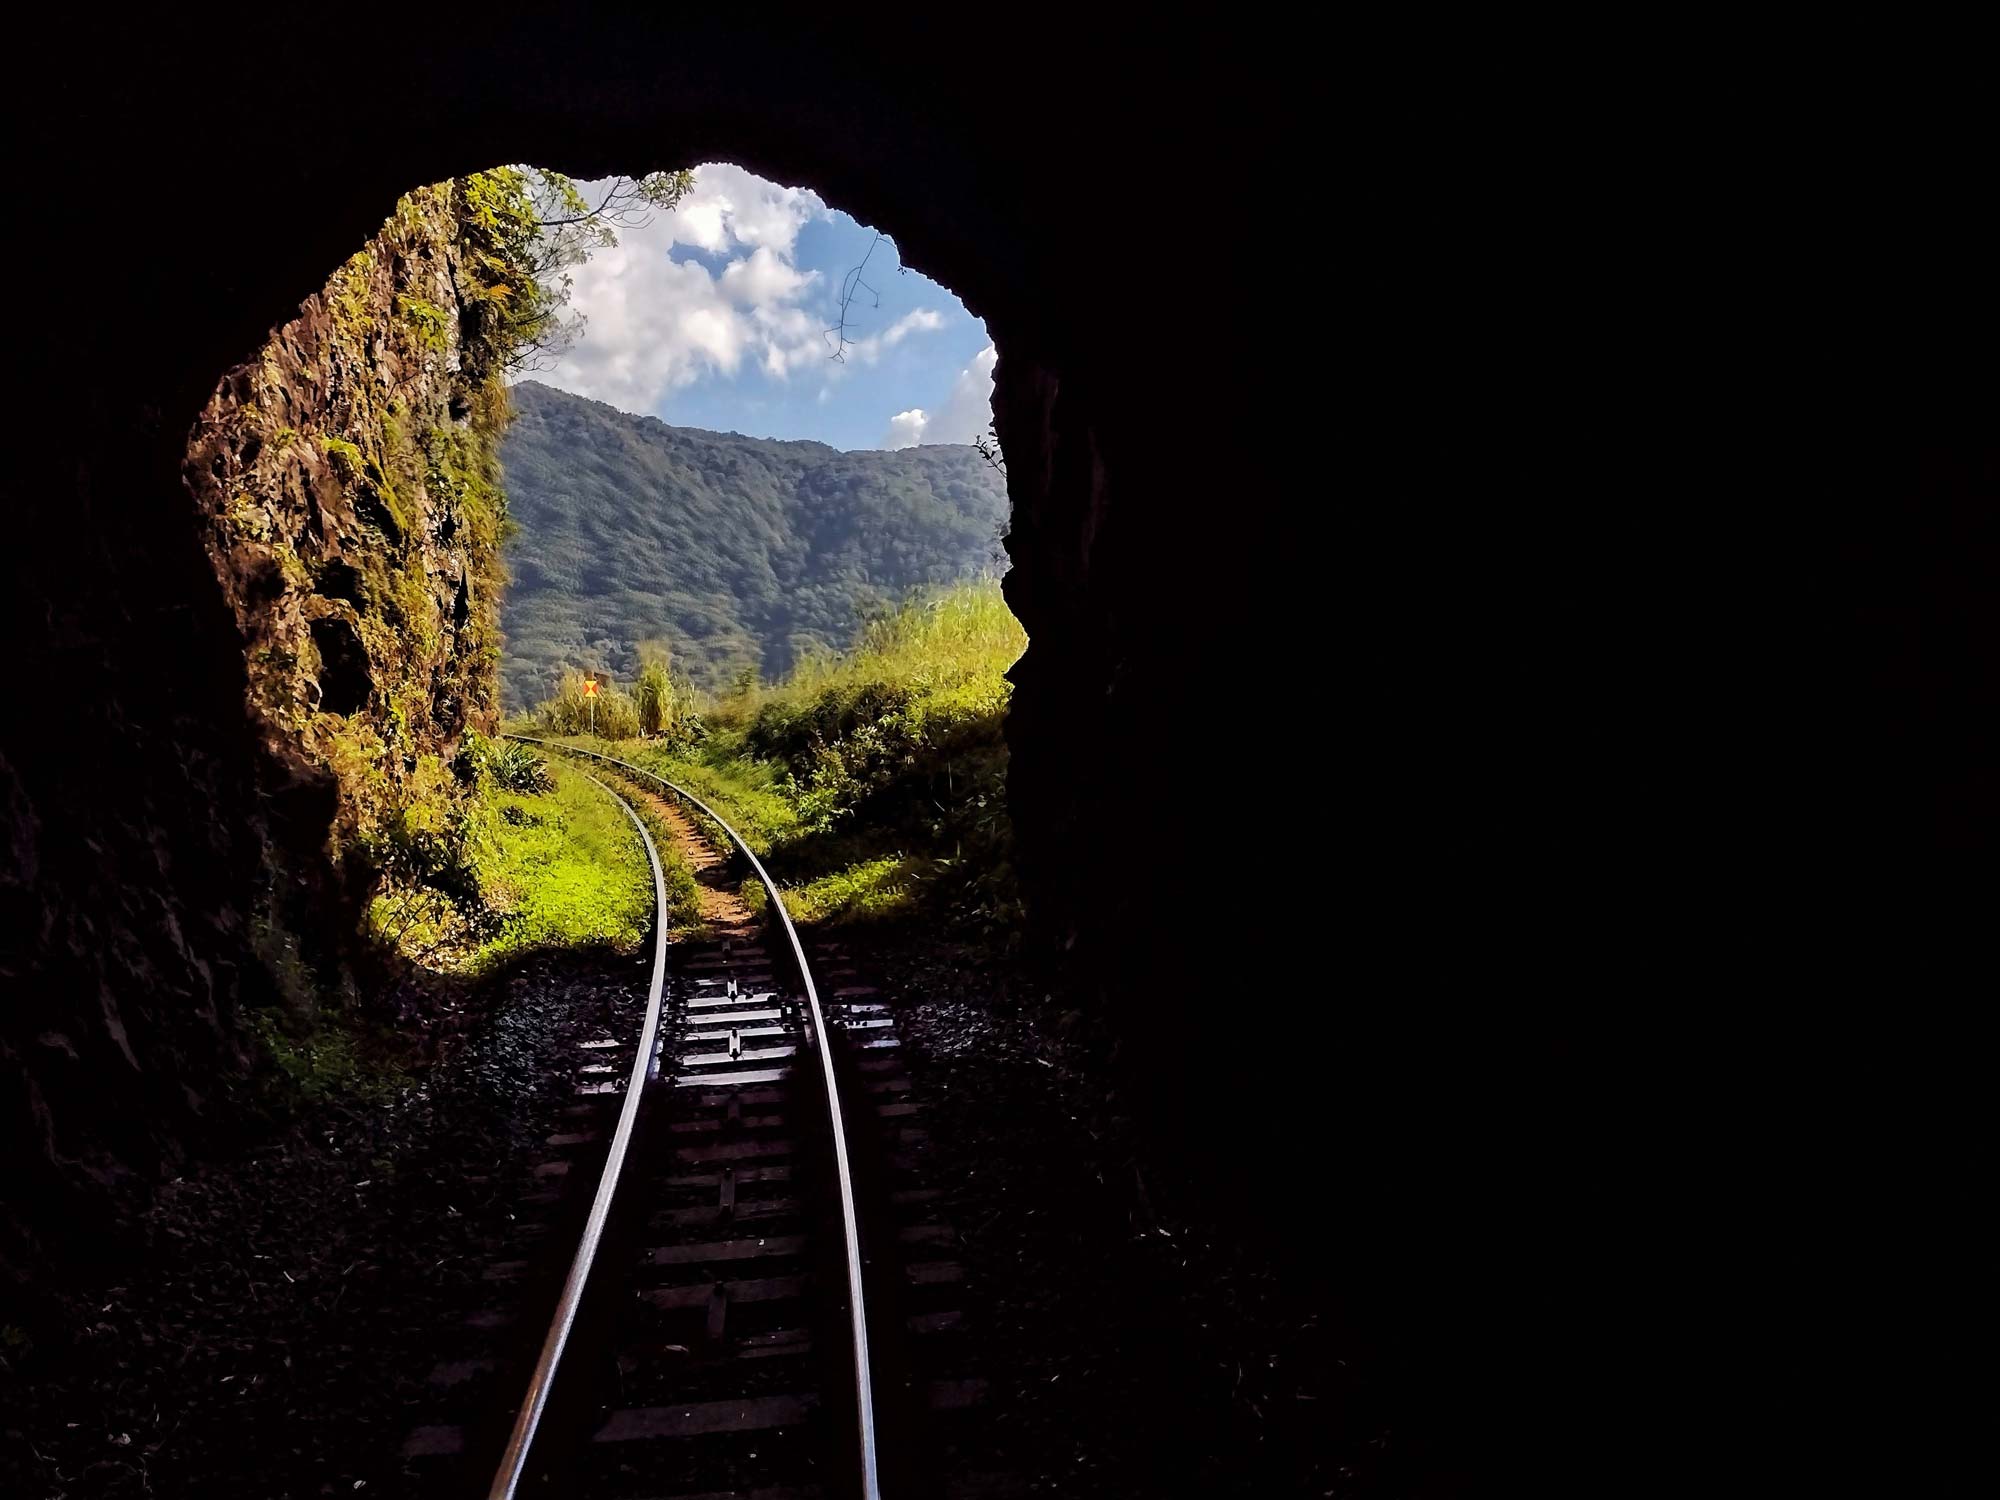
{"x": 953, "y": 648}
{"x": 873, "y": 782}
{"x": 554, "y": 869}
{"x": 565, "y": 869}
{"x": 871, "y": 890}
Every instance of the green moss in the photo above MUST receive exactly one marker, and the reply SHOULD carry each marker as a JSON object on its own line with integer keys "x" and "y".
{"x": 347, "y": 457}
{"x": 250, "y": 518}
{"x": 395, "y": 446}
{"x": 380, "y": 474}
{"x": 348, "y": 294}
{"x": 293, "y": 567}
{"x": 278, "y": 951}
{"x": 430, "y": 324}
{"x": 313, "y": 1034}
{"x": 405, "y": 823}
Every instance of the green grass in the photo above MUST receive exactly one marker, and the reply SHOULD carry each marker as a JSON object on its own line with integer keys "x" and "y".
{"x": 872, "y": 890}
{"x": 563, "y": 870}
{"x": 748, "y": 793}
{"x": 684, "y": 916}
{"x": 873, "y": 782}
{"x": 528, "y": 870}
{"x": 951, "y": 648}
{"x": 556, "y": 869}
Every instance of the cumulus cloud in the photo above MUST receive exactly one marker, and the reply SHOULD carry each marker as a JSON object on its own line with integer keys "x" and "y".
{"x": 654, "y": 325}
{"x": 964, "y": 414}
{"x": 869, "y": 349}
{"x": 906, "y": 428}
{"x": 968, "y": 408}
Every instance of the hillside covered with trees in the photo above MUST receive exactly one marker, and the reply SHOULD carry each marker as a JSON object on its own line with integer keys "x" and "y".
{"x": 741, "y": 553}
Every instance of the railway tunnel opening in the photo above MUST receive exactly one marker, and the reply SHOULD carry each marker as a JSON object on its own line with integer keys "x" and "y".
{"x": 1163, "y": 545}
{"x": 425, "y": 524}
{"x": 326, "y": 547}
{"x": 1156, "y": 540}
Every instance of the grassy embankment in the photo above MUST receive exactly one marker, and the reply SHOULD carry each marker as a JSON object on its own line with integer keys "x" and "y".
{"x": 536, "y": 858}
{"x": 548, "y": 861}
{"x": 873, "y": 782}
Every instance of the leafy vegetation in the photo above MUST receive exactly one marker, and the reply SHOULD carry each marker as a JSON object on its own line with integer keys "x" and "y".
{"x": 874, "y": 779}
{"x": 543, "y": 858}
{"x": 516, "y": 768}
{"x": 748, "y": 554}
{"x": 327, "y": 1054}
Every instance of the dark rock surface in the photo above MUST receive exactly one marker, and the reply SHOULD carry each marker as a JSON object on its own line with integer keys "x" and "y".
{"x": 345, "y": 482}
{"x": 1136, "y": 1340}
{"x": 345, "y": 512}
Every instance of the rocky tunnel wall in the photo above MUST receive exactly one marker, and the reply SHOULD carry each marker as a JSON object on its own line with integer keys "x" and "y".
{"x": 141, "y": 838}
{"x": 1392, "y": 714}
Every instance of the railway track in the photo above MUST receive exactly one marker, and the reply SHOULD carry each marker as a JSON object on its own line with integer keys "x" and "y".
{"x": 760, "y": 1284}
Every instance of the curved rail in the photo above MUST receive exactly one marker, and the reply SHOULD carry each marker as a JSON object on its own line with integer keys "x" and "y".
{"x": 871, "y": 1487}
{"x": 515, "y": 1459}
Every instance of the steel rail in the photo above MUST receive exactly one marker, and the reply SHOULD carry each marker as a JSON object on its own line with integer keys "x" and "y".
{"x": 514, "y": 1461}
{"x": 871, "y": 1485}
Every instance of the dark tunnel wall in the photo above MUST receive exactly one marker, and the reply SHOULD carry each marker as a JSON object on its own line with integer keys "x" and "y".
{"x": 1381, "y": 530}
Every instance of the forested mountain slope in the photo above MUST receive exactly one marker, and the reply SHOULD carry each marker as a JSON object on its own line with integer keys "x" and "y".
{"x": 738, "y": 551}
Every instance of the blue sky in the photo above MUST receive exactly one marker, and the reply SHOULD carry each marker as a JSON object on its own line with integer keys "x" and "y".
{"x": 715, "y": 315}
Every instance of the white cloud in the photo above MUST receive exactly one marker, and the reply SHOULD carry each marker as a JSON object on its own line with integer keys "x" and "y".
{"x": 906, "y": 428}
{"x": 868, "y": 350}
{"x": 968, "y": 409}
{"x": 764, "y": 276}
{"x": 964, "y": 414}
{"x": 654, "y": 326}
{"x": 731, "y": 207}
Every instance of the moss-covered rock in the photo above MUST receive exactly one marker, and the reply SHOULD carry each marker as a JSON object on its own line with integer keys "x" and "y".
{"x": 347, "y": 479}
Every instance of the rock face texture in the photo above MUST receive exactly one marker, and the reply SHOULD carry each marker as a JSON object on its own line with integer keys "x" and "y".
{"x": 348, "y": 496}
{"x": 276, "y": 701}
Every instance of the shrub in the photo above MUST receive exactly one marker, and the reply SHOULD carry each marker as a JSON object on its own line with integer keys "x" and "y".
{"x": 516, "y": 768}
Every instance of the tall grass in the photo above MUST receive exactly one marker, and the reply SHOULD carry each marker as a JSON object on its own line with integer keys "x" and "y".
{"x": 614, "y": 716}
{"x": 960, "y": 639}
{"x": 874, "y": 779}
{"x": 666, "y": 699}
